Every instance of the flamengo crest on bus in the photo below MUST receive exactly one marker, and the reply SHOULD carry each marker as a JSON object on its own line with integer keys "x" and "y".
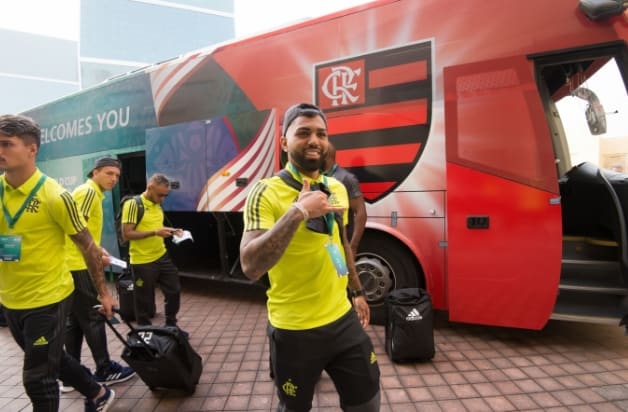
{"x": 379, "y": 112}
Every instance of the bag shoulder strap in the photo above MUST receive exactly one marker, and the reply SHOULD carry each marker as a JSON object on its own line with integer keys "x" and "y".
{"x": 140, "y": 208}
{"x": 288, "y": 179}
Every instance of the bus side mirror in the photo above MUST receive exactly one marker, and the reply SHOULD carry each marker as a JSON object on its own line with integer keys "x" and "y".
{"x": 602, "y": 9}
{"x": 596, "y": 118}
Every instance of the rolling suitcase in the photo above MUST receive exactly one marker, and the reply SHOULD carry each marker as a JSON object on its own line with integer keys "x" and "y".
{"x": 409, "y": 325}
{"x": 126, "y": 298}
{"x": 161, "y": 356}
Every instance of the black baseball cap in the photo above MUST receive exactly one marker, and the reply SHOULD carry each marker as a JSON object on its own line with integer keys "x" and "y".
{"x": 301, "y": 109}
{"x": 102, "y": 162}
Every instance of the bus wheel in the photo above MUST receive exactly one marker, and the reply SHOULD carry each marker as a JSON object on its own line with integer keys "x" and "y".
{"x": 384, "y": 265}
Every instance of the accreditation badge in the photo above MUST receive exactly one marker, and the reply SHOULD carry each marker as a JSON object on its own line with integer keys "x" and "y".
{"x": 10, "y": 248}
{"x": 337, "y": 259}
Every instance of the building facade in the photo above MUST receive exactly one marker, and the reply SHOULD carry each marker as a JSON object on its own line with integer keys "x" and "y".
{"x": 112, "y": 37}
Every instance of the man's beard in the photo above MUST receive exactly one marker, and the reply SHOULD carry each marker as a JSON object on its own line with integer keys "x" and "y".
{"x": 307, "y": 165}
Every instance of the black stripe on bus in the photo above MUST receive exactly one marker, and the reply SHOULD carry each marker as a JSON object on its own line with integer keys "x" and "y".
{"x": 380, "y": 137}
{"x": 413, "y": 53}
{"x": 381, "y": 173}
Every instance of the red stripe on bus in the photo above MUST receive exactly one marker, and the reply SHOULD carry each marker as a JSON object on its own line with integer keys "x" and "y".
{"x": 378, "y": 155}
{"x": 373, "y": 190}
{"x": 403, "y": 73}
{"x": 385, "y": 116}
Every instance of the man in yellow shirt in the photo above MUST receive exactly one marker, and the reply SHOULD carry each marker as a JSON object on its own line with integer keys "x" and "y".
{"x": 294, "y": 235}
{"x": 35, "y": 285}
{"x": 150, "y": 263}
{"x": 83, "y": 320}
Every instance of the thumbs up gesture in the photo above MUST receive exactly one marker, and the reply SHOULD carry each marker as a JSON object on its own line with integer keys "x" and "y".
{"x": 315, "y": 202}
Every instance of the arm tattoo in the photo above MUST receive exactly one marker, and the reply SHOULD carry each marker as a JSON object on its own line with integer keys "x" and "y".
{"x": 261, "y": 249}
{"x": 92, "y": 254}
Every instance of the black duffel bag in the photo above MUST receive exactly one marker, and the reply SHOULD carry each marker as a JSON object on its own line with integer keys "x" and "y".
{"x": 409, "y": 325}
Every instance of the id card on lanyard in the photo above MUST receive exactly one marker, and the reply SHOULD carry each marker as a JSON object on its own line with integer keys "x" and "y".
{"x": 11, "y": 245}
{"x": 334, "y": 251}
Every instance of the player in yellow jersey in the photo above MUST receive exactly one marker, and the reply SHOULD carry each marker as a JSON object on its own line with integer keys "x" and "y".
{"x": 35, "y": 285}
{"x": 83, "y": 321}
{"x": 294, "y": 235}
{"x": 150, "y": 263}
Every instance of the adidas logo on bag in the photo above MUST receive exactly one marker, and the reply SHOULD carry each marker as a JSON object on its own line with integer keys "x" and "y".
{"x": 414, "y": 315}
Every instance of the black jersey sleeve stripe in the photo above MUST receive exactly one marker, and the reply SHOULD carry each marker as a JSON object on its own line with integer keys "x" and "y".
{"x": 88, "y": 202}
{"x": 254, "y": 201}
{"x": 73, "y": 211}
{"x": 132, "y": 218}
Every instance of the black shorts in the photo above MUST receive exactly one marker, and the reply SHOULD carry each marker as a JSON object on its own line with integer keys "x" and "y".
{"x": 342, "y": 349}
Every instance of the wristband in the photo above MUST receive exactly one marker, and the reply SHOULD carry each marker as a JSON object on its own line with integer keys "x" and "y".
{"x": 356, "y": 293}
{"x": 302, "y": 209}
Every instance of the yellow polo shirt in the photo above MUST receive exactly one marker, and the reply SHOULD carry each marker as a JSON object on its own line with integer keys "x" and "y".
{"x": 149, "y": 249}
{"x": 305, "y": 290}
{"x": 88, "y": 198}
{"x": 41, "y": 276}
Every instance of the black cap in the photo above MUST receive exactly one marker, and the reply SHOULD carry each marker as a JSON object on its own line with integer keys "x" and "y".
{"x": 301, "y": 109}
{"x": 102, "y": 162}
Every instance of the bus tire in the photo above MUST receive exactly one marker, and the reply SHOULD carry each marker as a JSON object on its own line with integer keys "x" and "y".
{"x": 384, "y": 264}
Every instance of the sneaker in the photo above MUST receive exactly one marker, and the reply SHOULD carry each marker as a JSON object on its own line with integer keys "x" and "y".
{"x": 101, "y": 404}
{"x": 115, "y": 373}
{"x": 65, "y": 389}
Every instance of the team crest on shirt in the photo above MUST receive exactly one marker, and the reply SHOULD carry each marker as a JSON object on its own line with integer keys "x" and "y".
{"x": 333, "y": 200}
{"x": 33, "y": 205}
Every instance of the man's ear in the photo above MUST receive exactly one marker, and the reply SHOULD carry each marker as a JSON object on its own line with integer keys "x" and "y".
{"x": 32, "y": 149}
{"x": 284, "y": 143}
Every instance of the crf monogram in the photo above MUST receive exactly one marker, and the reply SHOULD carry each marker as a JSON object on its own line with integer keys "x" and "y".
{"x": 340, "y": 85}
{"x": 33, "y": 205}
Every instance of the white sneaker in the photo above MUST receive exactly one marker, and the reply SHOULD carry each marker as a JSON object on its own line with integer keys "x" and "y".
{"x": 65, "y": 389}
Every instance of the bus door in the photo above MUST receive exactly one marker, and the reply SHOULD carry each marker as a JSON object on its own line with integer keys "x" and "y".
{"x": 503, "y": 206}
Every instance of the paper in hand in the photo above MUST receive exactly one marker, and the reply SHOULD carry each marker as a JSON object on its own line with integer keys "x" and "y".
{"x": 117, "y": 262}
{"x": 184, "y": 236}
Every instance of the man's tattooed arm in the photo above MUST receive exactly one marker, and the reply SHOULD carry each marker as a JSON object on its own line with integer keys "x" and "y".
{"x": 261, "y": 249}
{"x": 92, "y": 253}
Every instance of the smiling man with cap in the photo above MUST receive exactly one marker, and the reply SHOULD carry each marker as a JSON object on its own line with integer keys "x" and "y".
{"x": 294, "y": 230}
{"x": 83, "y": 320}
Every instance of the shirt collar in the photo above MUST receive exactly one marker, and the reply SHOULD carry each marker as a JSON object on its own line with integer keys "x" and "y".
{"x": 299, "y": 177}
{"x": 26, "y": 187}
{"x": 150, "y": 202}
{"x": 97, "y": 188}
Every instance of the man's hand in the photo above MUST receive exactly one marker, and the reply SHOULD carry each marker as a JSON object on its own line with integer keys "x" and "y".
{"x": 363, "y": 310}
{"x": 106, "y": 258}
{"x": 168, "y": 232}
{"x": 107, "y": 304}
{"x": 315, "y": 202}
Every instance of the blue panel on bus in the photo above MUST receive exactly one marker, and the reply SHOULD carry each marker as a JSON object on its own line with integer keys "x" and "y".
{"x": 105, "y": 119}
{"x": 188, "y": 154}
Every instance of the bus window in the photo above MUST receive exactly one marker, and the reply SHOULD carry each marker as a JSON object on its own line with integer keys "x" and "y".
{"x": 595, "y": 119}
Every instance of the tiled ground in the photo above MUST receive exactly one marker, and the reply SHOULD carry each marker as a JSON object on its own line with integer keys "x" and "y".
{"x": 565, "y": 367}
